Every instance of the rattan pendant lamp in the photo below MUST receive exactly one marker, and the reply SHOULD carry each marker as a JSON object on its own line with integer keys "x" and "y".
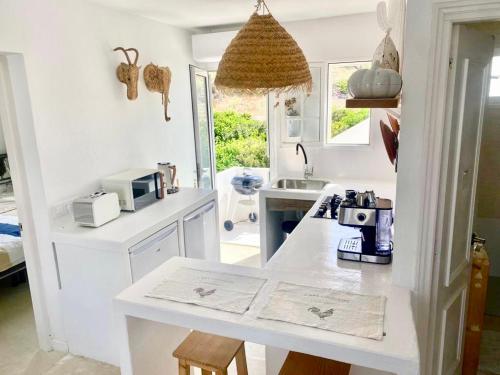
{"x": 263, "y": 58}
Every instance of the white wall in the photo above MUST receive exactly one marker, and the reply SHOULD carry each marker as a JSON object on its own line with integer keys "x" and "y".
{"x": 321, "y": 40}
{"x": 367, "y": 162}
{"x": 329, "y": 40}
{"x": 411, "y": 171}
{"x": 85, "y": 127}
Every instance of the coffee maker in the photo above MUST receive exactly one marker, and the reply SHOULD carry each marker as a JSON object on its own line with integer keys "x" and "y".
{"x": 373, "y": 216}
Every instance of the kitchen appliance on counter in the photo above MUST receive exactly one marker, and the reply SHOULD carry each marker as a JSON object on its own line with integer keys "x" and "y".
{"x": 136, "y": 188}
{"x": 169, "y": 172}
{"x": 96, "y": 209}
{"x": 372, "y": 215}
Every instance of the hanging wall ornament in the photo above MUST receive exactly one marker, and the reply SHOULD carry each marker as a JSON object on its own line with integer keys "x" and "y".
{"x": 128, "y": 74}
{"x": 263, "y": 57}
{"x": 158, "y": 79}
{"x": 386, "y": 55}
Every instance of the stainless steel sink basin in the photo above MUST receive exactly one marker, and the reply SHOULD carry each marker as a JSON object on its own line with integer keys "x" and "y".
{"x": 299, "y": 184}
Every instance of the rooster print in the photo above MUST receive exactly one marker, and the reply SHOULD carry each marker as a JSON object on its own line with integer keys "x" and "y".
{"x": 319, "y": 313}
{"x": 203, "y": 293}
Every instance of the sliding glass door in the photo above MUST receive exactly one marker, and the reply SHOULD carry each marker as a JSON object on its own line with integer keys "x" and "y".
{"x": 203, "y": 128}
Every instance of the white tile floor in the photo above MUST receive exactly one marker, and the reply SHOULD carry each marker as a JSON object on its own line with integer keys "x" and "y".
{"x": 241, "y": 246}
{"x": 244, "y": 233}
{"x": 19, "y": 352}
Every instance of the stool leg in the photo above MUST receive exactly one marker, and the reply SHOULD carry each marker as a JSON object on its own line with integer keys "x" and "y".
{"x": 221, "y": 372}
{"x": 206, "y": 372}
{"x": 241, "y": 361}
{"x": 183, "y": 368}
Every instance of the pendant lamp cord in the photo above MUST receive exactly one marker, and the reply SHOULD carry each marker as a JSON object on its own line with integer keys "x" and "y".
{"x": 261, "y": 5}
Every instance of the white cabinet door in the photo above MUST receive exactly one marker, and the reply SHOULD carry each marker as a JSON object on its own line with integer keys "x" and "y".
{"x": 90, "y": 279}
{"x": 154, "y": 251}
{"x": 201, "y": 233}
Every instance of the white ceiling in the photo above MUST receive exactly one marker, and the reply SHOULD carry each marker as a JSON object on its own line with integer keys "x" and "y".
{"x": 206, "y": 13}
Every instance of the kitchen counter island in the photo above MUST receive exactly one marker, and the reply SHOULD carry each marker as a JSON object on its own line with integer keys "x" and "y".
{"x": 273, "y": 202}
{"x": 149, "y": 329}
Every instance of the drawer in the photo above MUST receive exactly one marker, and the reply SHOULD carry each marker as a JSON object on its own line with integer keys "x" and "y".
{"x": 153, "y": 251}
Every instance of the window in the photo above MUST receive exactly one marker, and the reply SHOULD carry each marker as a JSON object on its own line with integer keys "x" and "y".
{"x": 495, "y": 78}
{"x": 300, "y": 114}
{"x": 345, "y": 126}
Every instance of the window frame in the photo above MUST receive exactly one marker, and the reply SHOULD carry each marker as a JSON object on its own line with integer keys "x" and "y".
{"x": 287, "y": 142}
{"x": 493, "y": 101}
{"x": 327, "y": 128}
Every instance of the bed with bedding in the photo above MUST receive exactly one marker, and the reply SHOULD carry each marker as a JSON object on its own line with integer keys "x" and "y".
{"x": 11, "y": 246}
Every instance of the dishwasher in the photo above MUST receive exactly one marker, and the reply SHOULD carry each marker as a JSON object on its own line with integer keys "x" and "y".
{"x": 201, "y": 233}
{"x": 153, "y": 251}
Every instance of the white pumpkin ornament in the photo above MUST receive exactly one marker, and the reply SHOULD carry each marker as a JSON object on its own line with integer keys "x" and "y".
{"x": 375, "y": 83}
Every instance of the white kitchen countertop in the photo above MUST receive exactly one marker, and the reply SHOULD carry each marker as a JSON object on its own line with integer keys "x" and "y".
{"x": 307, "y": 257}
{"x": 131, "y": 227}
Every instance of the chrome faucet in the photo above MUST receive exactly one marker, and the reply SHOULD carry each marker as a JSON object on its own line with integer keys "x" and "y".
{"x": 308, "y": 169}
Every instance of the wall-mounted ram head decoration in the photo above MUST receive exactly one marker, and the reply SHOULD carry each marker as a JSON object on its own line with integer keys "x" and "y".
{"x": 129, "y": 73}
{"x": 158, "y": 79}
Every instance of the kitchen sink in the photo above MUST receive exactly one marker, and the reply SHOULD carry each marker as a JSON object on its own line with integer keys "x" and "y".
{"x": 299, "y": 184}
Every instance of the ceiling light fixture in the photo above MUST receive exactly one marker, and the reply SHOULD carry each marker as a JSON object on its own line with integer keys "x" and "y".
{"x": 263, "y": 57}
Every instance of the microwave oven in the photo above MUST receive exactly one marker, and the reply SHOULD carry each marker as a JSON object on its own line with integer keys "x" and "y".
{"x": 136, "y": 188}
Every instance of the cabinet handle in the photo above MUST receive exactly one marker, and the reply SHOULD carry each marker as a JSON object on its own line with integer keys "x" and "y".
{"x": 56, "y": 262}
{"x": 191, "y": 218}
{"x": 203, "y": 210}
{"x": 146, "y": 243}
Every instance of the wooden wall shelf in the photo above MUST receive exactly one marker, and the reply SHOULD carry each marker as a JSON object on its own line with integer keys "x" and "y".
{"x": 372, "y": 103}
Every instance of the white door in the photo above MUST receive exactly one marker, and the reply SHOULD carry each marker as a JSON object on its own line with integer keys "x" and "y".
{"x": 203, "y": 128}
{"x": 471, "y": 54}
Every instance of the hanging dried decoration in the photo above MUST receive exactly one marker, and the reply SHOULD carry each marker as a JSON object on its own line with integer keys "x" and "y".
{"x": 158, "y": 79}
{"x": 386, "y": 55}
{"x": 263, "y": 57}
{"x": 128, "y": 74}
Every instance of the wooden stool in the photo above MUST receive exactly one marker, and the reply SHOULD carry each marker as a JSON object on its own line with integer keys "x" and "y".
{"x": 210, "y": 353}
{"x": 304, "y": 364}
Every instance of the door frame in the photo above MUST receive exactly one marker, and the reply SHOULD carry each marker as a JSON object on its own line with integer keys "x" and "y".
{"x": 17, "y": 123}
{"x": 444, "y": 16}
{"x": 193, "y": 71}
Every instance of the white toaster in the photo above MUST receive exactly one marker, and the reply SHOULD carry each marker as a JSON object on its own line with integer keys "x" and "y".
{"x": 96, "y": 209}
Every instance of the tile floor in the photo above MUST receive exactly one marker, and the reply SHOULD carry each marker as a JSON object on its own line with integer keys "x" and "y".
{"x": 243, "y": 233}
{"x": 241, "y": 246}
{"x": 489, "y": 362}
{"x": 19, "y": 353}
